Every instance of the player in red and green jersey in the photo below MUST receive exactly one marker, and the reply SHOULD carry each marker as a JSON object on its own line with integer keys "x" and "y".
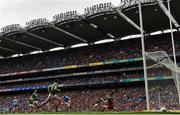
{"x": 109, "y": 101}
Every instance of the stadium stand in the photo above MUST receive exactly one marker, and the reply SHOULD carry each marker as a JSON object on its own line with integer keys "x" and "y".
{"x": 91, "y": 72}
{"x": 127, "y": 98}
{"x": 77, "y": 56}
{"x": 95, "y": 51}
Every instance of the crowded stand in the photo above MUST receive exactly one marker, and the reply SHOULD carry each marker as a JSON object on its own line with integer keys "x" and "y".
{"x": 76, "y": 80}
{"x": 85, "y": 55}
{"x": 84, "y": 100}
{"x": 44, "y": 68}
{"x": 95, "y": 78}
{"x": 89, "y": 54}
{"x": 168, "y": 97}
{"x": 127, "y": 99}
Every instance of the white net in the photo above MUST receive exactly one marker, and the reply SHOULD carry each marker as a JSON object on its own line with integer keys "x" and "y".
{"x": 163, "y": 80}
{"x": 162, "y": 59}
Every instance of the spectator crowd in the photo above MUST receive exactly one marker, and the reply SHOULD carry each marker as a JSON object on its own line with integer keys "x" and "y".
{"x": 115, "y": 77}
{"x": 89, "y": 54}
{"x": 126, "y": 99}
{"x": 129, "y": 98}
{"x": 75, "y": 80}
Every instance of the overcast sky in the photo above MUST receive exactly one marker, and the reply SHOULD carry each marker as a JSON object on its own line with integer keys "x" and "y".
{"x": 21, "y": 11}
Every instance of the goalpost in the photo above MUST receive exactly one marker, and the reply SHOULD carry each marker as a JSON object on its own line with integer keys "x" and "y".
{"x": 163, "y": 81}
{"x": 161, "y": 60}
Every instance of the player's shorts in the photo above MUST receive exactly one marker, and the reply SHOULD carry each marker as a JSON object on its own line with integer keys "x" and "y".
{"x": 67, "y": 103}
{"x": 31, "y": 105}
{"x": 51, "y": 92}
{"x": 110, "y": 106}
{"x": 35, "y": 102}
{"x": 52, "y": 96}
{"x": 15, "y": 105}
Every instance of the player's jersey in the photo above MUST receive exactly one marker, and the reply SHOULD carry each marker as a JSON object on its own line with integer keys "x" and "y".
{"x": 52, "y": 88}
{"x": 98, "y": 101}
{"x": 34, "y": 96}
{"x": 31, "y": 101}
{"x": 110, "y": 101}
{"x": 15, "y": 102}
{"x": 66, "y": 98}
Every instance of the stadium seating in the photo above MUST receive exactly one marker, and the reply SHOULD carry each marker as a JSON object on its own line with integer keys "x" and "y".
{"x": 85, "y": 55}
{"x": 127, "y": 98}
{"x": 89, "y": 79}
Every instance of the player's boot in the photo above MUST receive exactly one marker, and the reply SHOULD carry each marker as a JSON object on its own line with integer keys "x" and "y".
{"x": 69, "y": 109}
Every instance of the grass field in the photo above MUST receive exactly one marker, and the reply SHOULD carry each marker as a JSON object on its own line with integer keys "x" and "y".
{"x": 99, "y": 113}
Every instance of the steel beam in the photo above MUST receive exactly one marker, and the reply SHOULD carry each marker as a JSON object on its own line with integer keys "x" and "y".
{"x": 167, "y": 13}
{"x": 128, "y": 20}
{"x": 7, "y": 49}
{"x": 27, "y": 45}
{"x": 68, "y": 33}
{"x": 42, "y": 38}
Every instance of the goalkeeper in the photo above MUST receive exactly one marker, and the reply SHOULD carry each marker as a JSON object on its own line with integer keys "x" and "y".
{"x": 52, "y": 89}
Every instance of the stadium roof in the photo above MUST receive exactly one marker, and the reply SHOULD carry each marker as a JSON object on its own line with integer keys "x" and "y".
{"x": 102, "y": 21}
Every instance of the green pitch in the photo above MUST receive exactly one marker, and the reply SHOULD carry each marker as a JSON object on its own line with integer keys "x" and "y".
{"x": 100, "y": 113}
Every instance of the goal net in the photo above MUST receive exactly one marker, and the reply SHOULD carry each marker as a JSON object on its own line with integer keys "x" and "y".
{"x": 163, "y": 81}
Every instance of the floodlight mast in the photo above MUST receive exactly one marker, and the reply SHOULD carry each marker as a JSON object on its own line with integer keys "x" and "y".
{"x": 143, "y": 54}
{"x": 173, "y": 47}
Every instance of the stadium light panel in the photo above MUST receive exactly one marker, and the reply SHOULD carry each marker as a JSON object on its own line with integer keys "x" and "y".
{"x": 79, "y": 45}
{"x": 16, "y": 55}
{"x": 56, "y": 49}
{"x": 126, "y": 38}
{"x": 156, "y": 33}
{"x": 169, "y": 31}
{"x": 35, "y": 52}
{"x": 131, "y": 37}
{"x": 104, "y": 41}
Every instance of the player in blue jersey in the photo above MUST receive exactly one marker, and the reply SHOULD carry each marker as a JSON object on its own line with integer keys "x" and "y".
{"x": 66, "y": 100}
{"x": 15, "y": 105}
